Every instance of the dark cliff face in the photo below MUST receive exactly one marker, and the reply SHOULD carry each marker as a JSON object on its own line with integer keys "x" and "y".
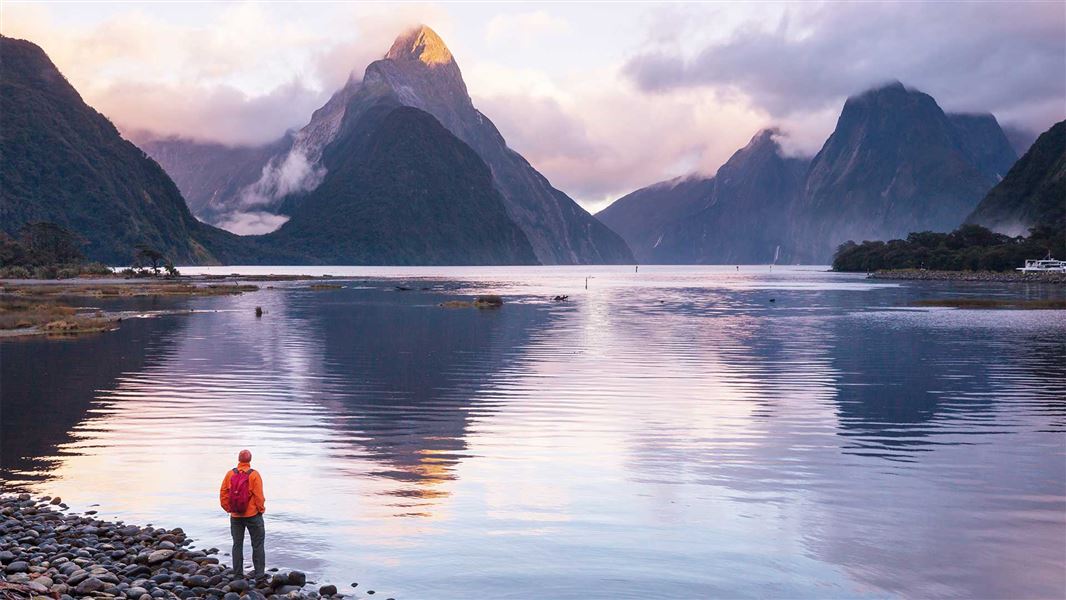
{"x": 894, "y": 164}
{"x": 738, "y": 216}
{"x": 61, "y": 161}
{"x": 1033, "y": 193}
{"x": 400, "y": 190}
{"x": 984, "y": 140}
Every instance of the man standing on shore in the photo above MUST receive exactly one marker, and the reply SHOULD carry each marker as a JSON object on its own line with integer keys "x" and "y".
{"x": 242, "y": 497}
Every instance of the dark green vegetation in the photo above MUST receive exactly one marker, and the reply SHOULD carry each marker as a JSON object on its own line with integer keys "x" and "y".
{"x": 895, "y": 163}
{"x": 63, "y": 162}
{"x": 1033, "y": 192}
{"x": 45, "y": 251}
{"x": 400, "y": 189}
{"x": 969, "y": 248}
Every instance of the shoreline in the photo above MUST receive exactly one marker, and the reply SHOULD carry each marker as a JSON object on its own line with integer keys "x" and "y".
{"x": 982, "y": 276}
{"x": 47, "y": 551}
{"x": 41, "y": 307}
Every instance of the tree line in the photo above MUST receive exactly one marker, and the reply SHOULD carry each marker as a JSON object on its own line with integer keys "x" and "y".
{"x": 968, "y": 248}
{"x": 44, "y": 250}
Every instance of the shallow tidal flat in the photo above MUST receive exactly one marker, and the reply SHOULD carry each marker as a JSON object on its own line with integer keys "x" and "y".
{"x": 54, "y": 307}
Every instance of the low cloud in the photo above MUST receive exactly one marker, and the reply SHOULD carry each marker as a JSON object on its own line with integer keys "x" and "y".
{"x": 599, "y": 139}
{"x": 281, "y": 177}
{"x": 252, "y": 222}
{"x": 217, "y": 113}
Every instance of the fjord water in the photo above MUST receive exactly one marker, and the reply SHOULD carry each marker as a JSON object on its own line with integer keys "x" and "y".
{"x": 673, "y": 433}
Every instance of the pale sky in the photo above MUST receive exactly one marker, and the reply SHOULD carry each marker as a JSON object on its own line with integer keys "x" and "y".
{"x": 601, "y": 98}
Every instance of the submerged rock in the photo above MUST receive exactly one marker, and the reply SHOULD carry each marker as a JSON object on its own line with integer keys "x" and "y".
{"x": 490, "y": 300}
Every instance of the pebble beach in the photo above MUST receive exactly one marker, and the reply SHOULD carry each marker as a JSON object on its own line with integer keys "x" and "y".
{"x": 993, "y": 276}
{"x": 47, "y": 551}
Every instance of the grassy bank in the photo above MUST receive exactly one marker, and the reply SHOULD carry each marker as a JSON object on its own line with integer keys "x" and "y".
{"x": 43, "y": 308}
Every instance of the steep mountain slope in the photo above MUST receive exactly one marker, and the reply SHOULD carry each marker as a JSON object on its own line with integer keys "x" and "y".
{"x": 61, "y": 161}
{"x": 642, "y": 217}
{"x": 894, "y": 164}
{"x": 746, "y": 219}
{"x": 223, "y": 183}
{"x": 419, "y": 71}
{"x": 400, "y": 189}
{"x": 208, "y": 172}
{"x": 1033, "y": 192}
{"x": 984, "y": 140}
{"x": 738, "y": 216}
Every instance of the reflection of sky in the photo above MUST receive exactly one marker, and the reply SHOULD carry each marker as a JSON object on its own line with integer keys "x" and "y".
{"x": 641, "y": 440}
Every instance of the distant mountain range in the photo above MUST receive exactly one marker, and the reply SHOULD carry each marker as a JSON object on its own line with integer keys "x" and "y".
{"x": 419, "y": 72}
{"x": 1033, "y": 192}
{"x": 63, "y": 162}
{"x": 741, "y": 215}
{"x": 400, "y": 168}
{"x": 895, "y": 163}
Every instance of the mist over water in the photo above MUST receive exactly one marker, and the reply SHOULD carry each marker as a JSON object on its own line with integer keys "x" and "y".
{"x": 671, "y": 433}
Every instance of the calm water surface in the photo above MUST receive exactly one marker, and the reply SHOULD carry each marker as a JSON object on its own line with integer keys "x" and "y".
{"x": 670, "y": 433}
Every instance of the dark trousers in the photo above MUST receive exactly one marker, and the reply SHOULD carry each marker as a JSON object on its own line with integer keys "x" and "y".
{"x": 257, "y": 531}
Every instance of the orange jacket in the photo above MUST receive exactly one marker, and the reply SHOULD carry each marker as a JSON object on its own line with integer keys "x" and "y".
{"x": 257, "y": 503}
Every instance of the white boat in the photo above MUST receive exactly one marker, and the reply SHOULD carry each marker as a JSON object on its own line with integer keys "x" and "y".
{"x": 1044, "y": 265}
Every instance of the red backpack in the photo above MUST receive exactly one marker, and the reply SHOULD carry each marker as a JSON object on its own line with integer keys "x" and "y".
{"x": 240, "y": 490}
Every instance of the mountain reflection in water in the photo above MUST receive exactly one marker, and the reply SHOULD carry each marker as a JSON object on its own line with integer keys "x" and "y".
{"x": 669, "y": 434}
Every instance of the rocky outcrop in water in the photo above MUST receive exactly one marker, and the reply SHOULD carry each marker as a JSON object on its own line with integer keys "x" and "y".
{"x": 46, "y": 552}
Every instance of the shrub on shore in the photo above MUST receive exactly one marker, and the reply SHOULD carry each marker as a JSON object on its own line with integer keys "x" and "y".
{"x": 968, "y": 248}
{"x": 45, "y": 251}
